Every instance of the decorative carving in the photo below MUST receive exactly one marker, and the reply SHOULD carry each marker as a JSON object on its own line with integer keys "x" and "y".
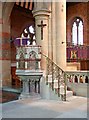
{"x": 73, "y": 54}
{"x": 28, "y": 57}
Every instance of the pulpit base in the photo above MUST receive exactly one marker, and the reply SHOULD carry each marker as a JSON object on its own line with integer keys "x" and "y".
{"x": 30, "y": 95}
{"x": 31, "y": 83}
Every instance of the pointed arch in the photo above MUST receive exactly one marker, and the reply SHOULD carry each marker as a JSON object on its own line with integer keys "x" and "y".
{"x": 77, "y": 31}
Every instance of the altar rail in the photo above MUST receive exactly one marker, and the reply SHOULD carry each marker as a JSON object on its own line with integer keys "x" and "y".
{"x": 77, "y": 52}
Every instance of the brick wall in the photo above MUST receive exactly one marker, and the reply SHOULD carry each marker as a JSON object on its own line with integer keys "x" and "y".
{"x": 20, "y": 19}
{"x": 88, "y": 23}
{"x": 77, "y": 10}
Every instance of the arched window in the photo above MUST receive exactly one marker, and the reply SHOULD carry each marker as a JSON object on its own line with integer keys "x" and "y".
{"x": 77, "y": 32}
{"x": 29, "y": 32}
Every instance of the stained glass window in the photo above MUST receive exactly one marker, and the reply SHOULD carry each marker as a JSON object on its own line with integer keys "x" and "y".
{"x": 29, "y": 32}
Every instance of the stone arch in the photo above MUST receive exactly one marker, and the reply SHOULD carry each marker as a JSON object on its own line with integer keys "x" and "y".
{"x": 32, "y": 55}
{"x": 71, "y": 20}
{"x": 6, "y": 10}
{"x": 23, "y": 17}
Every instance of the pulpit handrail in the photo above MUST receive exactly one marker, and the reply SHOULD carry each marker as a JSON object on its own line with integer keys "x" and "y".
{"x": 52, "y": 61}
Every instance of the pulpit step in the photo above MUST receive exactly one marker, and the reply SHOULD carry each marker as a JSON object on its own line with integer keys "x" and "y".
{"x": 69, "y": 94}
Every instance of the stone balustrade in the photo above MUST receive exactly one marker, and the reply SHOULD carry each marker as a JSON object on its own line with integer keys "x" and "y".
{"x": 77, "y": 76}
{"x": 78, "y": 82}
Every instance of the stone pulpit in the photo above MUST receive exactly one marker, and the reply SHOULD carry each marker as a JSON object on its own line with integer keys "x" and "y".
{"x": 28, "y": 58}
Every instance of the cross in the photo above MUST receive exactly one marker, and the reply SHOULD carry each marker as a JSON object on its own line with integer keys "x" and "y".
{"x": 42, "y": 26}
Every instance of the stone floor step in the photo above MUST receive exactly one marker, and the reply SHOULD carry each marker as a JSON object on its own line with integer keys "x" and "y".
{"x": 69, "y": 94}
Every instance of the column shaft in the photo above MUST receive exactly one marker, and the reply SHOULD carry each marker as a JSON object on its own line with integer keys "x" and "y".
{"x": 25, "y": 87}
{"x": 42, "y": 14}
{"x": 61, "y": 34}
{"x": 44, "y": 42}
{"x": 53, "y": 24}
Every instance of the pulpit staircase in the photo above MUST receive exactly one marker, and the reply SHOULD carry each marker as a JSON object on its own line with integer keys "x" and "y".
{"x": 56, "y": 81}
{"x": 65, "y": 84}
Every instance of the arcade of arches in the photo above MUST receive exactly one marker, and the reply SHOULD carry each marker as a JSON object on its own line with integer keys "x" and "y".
{"x": 57, "y": 34}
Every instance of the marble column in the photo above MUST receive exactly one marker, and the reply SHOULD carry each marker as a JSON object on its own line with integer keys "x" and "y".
{"x": 36, "y": 86}
{"x": 61, "y": 34}
{"x": 41, "y": 14}
{"x": 32, "y": 86}
{"x": 25, "y": 89}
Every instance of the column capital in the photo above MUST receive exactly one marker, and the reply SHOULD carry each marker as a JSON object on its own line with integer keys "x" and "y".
{"x": 41, "y": 12}
{"x": 24, "y": 78}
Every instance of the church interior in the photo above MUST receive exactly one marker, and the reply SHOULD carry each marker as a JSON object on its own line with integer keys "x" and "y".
{"x": 44, "y": 44}
{"x": 21, "y": 18}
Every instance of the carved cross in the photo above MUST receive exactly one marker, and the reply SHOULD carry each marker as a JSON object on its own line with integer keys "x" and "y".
{"x": 42, "y": 26}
